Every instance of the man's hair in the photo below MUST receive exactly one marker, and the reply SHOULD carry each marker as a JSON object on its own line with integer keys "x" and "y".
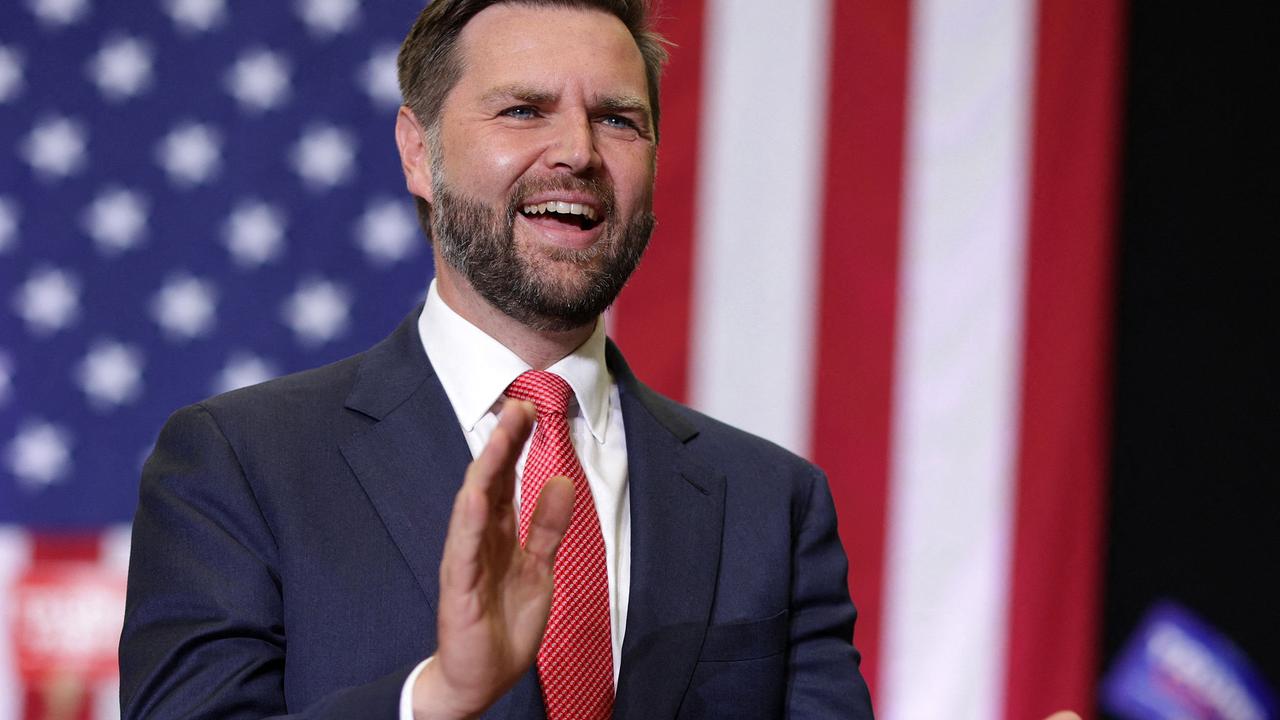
{"x": 429, "y": 64}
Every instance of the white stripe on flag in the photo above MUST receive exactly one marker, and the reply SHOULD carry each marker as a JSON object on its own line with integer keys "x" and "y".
{"x": 754, "y": 276}
{"x": 116, "y": 543}
{"x": 957, "y": 368}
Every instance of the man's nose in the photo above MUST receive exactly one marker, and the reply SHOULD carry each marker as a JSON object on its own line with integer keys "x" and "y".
{"x": 573, "y": 147}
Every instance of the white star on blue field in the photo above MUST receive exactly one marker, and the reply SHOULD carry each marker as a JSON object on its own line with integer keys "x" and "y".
{"x": 195, "y": 195}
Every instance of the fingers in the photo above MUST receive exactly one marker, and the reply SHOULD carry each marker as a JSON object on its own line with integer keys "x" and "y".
{"x": 460, "y": 563}
{"x": 488, "y": 486}
{"x": 494, "y": 470}
{"x": 550, "y": 519}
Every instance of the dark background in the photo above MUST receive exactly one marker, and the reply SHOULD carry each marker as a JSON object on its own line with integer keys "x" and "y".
{"x": 1195, "y": 512}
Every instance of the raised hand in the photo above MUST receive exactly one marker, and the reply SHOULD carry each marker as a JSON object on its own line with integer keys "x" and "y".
{"x": 494, "y": 595}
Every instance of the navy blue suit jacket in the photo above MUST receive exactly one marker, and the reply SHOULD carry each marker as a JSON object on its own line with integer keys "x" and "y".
{"x": 288, "y": 537}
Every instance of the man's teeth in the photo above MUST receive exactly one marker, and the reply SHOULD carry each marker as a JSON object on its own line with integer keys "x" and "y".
{"x": 562, "y": 208}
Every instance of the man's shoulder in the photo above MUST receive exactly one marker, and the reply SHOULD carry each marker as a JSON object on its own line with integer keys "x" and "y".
{"x": 396, "y": 363}
{"x": 718, "y": 440}
{"x": 300, "y": 407}
{"x": 313, "y": 388}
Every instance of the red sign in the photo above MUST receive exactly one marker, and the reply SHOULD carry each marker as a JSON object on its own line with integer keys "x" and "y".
{"x": 67, "y": 621}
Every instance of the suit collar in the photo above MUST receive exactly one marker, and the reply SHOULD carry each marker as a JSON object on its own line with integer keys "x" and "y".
{"x": 667, "y": 414}
{"x": 391, "y": 371}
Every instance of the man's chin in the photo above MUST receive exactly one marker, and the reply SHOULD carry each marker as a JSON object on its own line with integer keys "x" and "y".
{"x": 565, "y": 304}
{"x": 550, "y": 315}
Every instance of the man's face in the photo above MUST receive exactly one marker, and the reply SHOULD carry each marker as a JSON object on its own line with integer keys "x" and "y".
{"x": 542, "y": 167}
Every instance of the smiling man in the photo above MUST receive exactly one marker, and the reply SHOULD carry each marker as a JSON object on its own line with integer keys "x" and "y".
{"x": 487, "y": 513}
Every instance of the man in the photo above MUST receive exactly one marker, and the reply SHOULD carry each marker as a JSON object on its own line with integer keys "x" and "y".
{"x": 304, "y": 546}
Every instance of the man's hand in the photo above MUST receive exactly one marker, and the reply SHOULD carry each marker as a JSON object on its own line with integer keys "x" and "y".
{"x": 494, "y": 595}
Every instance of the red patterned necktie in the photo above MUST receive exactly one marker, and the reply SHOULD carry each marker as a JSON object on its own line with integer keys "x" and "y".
{"x": 575, "y": 660}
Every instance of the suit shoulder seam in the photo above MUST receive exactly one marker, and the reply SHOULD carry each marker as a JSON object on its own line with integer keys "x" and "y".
{"x": 244, "y": 476}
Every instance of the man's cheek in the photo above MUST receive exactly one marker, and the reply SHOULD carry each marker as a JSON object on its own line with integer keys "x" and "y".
{"x": 509, "y": 165}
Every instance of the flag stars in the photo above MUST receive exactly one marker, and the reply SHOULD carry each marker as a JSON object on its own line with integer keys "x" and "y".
{"x": 122, "y": 68}
{"x": 323, "y": 157}
{"x": 55, "y": 148}
{"x": 39, "y": 454}
{"x": 11, "y": 73}
{"x": 387, "y": 232}
{"x": 48, "y": 301}
{"x": 380, "y": 79}
{"x": 110, "y": 374}
{"x": 254, "y": 233}
{"x": 317, "y": 312}
{"x": 184, "y": 307}
{"x": 59, "y": 13}
{"x": 191, "y": 154}
{"x": 325, "y": 18}
{"x": 243, "y": 369}
{"x": 259, "y": 80}
{"x": 8, "y": 224}
{"x": 116, "y": 220}
{"x": 196, "y": 15}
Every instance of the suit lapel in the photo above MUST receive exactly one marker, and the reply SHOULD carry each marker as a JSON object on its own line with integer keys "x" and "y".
{"x": 412, "y": 461}
{"x": 411, "y": 464}
{"x": 677, "y": 515}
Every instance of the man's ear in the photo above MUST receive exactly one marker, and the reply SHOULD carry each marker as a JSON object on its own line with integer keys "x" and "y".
{"x": 415, "y": 158}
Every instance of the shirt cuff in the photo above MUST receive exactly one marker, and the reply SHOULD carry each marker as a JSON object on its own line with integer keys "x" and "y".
{"x": 406, "y": 692}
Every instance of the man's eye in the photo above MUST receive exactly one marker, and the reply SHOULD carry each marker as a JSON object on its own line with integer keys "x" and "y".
{"x": 522, "y": 112}
{"x": 618, "y": 121}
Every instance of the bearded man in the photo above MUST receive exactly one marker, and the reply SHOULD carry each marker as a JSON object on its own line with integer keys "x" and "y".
{"x": 487, "y": 513}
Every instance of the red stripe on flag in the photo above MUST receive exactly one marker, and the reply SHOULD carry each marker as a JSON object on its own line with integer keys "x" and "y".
{"x": 859, "y": 285}
{"x": 62, "y": 547}
{"x": 1054, "y": 600}
{"x": 652, "y": 318}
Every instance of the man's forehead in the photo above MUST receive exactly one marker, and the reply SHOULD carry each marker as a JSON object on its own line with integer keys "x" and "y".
{"x": 513, "y": 35}
{"x": 523, "y": 15}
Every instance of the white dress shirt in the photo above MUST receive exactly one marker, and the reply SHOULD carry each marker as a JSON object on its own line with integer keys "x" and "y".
{"x": 475, "y": 369}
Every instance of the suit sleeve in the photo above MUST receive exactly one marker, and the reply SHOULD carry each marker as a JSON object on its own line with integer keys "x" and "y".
{"x": 823, "y": 678}
{"x": 204, "y": 634}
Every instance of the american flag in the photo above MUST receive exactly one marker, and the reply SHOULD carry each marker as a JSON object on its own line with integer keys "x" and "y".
{"x": 884, "y": 239}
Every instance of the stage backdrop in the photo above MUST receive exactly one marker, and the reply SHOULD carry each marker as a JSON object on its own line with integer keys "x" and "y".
{"x": 884, "y": 242}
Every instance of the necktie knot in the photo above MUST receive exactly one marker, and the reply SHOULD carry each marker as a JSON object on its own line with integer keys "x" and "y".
{"x": 548, "y": 392}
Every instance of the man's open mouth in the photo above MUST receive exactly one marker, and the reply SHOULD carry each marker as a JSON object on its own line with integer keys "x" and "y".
{"x": 578, "y": 215}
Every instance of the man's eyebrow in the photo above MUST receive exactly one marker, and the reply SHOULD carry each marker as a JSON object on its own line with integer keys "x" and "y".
{"x": 523, "y": 93}
{"x": 538, "y": 96}
{"x": 623, "y": 103}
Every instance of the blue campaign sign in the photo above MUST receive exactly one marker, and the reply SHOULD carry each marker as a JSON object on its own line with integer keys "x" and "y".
{"x": 1177, "y": 667}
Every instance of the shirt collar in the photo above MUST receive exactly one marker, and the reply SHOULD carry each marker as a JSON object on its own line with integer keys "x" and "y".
{"x": 475, "y": 369}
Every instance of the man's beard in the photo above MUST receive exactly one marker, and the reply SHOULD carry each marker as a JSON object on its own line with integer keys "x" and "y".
{"x": 529, "y": 284}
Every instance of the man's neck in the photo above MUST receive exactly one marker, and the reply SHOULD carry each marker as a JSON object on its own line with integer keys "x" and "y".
{"x": 539, "y": 348}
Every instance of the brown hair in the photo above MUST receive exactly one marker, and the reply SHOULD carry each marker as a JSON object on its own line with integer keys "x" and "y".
{"x": 428, "y": 65}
